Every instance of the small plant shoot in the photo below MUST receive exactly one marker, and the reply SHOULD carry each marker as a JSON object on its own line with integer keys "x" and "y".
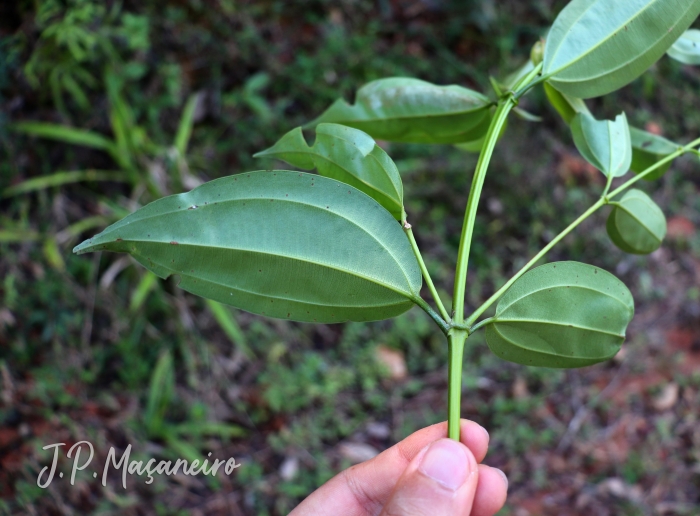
{"x": 337, "y": 245}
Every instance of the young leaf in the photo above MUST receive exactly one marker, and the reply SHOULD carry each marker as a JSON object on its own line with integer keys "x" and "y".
{"x": 563, "y": 314}
{"x": 565, "y": 105}
{"x": 647, "y": 149}
{"x": 598, "y": 46}
{"x": 605, "y": 144}
{"x": 636, "y": 224}
{"x": 348, "y": 155}
{"x": 687, "y": 48}
{"x": 409, "y": 110}
{"x": 284, "y": 244}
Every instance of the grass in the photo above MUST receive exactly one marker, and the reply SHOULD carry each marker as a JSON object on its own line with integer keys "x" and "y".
{"x": 93, "y": 348}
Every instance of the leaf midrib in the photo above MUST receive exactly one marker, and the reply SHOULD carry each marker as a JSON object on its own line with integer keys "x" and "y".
{"x": 583, "y": 55}
{"x": 388, "y": 250}
{"x": 515, "y": 344}
{"x": 501, "y": 310}
{"x": 497, "y": 320}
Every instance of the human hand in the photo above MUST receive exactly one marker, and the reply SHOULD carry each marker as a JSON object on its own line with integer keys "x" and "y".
{"x": 425, "y": 474}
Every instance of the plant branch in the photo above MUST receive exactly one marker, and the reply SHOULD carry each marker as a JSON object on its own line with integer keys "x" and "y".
{"x": 602, "y": 201}
{"x": 499, "y": 118}
{"x": 505, "y": 104}
{"x": 426, "y": 274}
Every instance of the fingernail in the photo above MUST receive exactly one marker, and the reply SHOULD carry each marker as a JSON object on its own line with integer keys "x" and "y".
{"x": 447, "y": 462}
{"x": 505, "y": 478}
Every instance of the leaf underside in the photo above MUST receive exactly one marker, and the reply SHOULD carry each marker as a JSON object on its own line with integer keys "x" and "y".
{"x": 605, "y": 144}
{"x": 402, "y": 109}
{"x": 278, "y": 243}
{"x": 636, "y": 224}
{"x": 563, "y": 315}
{"x": 647, "y": 149}
{"x": 348, "y": 155}
{"x": 597, "y": 46}
{"x": 687, "y": 48}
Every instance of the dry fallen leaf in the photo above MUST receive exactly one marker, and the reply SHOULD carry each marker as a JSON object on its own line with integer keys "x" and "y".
{"x": 667, "y": 398}
{"x": 393, "y": 360}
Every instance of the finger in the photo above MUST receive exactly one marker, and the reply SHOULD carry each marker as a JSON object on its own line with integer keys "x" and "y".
{"x": 364, "y": 489}
{"x": 440, "y": 481}
{"x": 491, "y": 492}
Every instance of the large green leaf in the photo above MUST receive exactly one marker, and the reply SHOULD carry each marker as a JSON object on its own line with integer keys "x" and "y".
{"x": 409, "y": 110}
{"x": 636, "y": 224}
{"x": 687, "y": 48}
{"x": 605, "y": 144}
{"x": 284, "y": 244}
{"x": 565, "y": 105}
{"x": 348, "y": 155}
{"x": 598, "y": 46}
{"x": 647, "y": 149}
{"x": 563, "y": 314}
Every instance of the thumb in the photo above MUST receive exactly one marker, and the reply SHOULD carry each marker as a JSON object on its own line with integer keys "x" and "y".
{"x": 440, "y": 481}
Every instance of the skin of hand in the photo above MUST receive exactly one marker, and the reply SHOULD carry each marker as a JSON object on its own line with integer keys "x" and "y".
{"x": 425, "y": 474}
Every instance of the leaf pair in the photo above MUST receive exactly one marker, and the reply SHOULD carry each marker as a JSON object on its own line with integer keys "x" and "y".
{"x": 647, "y": 148}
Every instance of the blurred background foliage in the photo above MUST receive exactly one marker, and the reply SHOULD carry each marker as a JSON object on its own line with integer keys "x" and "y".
{"x": 157, "y": 96}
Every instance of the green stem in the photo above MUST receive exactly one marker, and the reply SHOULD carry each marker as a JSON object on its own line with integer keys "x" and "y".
{"x": 426, "y": 274}
{"x": 477, "y": 313}
{"x": 528, "y": 82}
{"x": 456, "y": 339}
{"x": 682, "y": 150}
{"x": 605, "y": 199}
{"x": 608, "y": 184}
{"x": 499, "y": 118}
{"x": 442, "y": 324}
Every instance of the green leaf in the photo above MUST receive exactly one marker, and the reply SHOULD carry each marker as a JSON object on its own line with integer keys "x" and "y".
{"x": 687, "y": 48}
{"x": 526, "y": 115}
{"x": 60, "y": 179}
{"x": 598, "y": 46}
{"x": 160, "y": 394}
{"x": 228, "y": 324}
{"x": 284, "y": 244}
{"x": 565, "y": 105}
{"x": 184, "y": 130}
{"x": 65, "y": 134}
{"x": 605, "y": 144}
{"x": 636, "y": 224}
{"x": 409, "y": 110}
{"x": 348, "y": 155}
{"x": 647, "y": 149}
{"x": 563, "y": 314}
